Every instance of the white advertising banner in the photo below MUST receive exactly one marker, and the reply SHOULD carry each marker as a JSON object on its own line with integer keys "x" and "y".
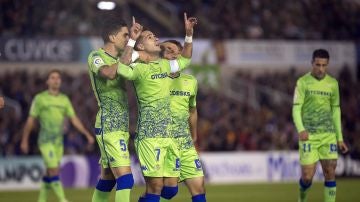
{"x": 234, "y": 167}
{"x": 219, "y": 168}
{"x": 284, "y": 54}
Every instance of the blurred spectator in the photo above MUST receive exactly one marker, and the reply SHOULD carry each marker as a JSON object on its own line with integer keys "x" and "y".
{"x": 248, "y": 19}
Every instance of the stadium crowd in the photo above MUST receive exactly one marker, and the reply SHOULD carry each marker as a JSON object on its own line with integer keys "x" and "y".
{"x": 224, "y": 124}
{"x": 247, "y": 19}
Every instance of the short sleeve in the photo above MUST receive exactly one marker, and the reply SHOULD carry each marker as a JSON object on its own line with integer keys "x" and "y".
{"x": 35, "y": 107}
{"x": 70, "y": 112}
{"x": 95, "y": 62}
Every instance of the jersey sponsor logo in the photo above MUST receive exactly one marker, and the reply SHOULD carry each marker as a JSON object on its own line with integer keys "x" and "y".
{"x": 159, "y": 76}
{"x": 318, "y": 92}
{"x": 179, "y": 93}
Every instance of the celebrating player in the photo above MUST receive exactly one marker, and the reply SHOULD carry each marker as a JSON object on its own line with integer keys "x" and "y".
{"x": 317, "y": 116}
{"x": 157, "y": 151}
{"x": 183, "y": 90}
{"x": 51, "y": 107}
{"x": 112, "y": 120}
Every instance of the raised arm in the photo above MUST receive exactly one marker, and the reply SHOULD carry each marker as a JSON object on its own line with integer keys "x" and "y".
{"x": 189, "y": 29}
{"x": 135, "y": 31}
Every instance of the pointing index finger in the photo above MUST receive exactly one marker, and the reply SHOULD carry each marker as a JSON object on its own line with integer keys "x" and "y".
{"x": 185, "y": 16}
{"x": 133, "y": 20}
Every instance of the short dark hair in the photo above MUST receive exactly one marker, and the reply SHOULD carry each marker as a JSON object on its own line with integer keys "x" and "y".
{"x": 173, "y": 41}
{"x": 111, "y": 25}
{"x": 320, "y": 53}
{"x": 53, "y": 71}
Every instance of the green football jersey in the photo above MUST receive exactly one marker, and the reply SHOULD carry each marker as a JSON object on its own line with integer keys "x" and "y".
{"x": 152, "y": 90}
{"x": 183, "y": 90}
{"x": 51, "y": 111}
{"x": 113, "y": 114}
{"x": 317, "y": 105}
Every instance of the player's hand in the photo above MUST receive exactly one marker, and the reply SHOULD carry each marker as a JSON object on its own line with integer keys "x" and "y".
{"x": 189, "y": 24}
{"x": 135, "y": 29}
{"x": 342, "y": 147}
{"x": 24, "y": 146}
{"x": 90, "y": 139}
{"x": 303, "y": 136}
{"x": 2, "y": 102}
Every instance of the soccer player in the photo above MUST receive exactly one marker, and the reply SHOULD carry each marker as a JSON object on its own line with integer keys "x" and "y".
{"x": 317, "y": 117}
{"x": 2, "y": 102}
{"x": 183, "y": 90}
{"x": 157, "y": 152}
{"x": 112, "y": 120}
{"x": 51, "y": 107}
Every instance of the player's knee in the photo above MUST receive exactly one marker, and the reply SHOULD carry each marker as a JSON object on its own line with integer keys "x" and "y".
{"x": 169, "y": 192}
{"x": 307, "y": 179}
{"x": 125, "y": 182}
{"x": 154, "y": 185}
{"x": 329, "y": 174}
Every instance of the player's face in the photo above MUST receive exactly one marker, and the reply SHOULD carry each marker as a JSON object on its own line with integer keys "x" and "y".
{"x": 170, "y": 51}
{"x": 150, "y": 42}
{"x": 121, "y": 38}
{"x": 319, "y": 66}
{"x": 54, "y": 81}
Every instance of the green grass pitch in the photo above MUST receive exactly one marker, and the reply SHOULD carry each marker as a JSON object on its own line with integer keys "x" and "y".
{"x": 347, "y": 191}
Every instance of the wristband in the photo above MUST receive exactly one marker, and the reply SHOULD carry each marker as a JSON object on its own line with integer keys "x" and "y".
{"x": 131, "y": 43}
{"x": 134, "y": 56}
{"x": 188, "y": 39}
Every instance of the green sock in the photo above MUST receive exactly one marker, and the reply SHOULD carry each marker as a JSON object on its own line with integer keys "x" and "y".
{"x": 163, "y": 199}
{"x": 45, "y": 186}
{"x": 57, "y": 187}
{"x": 304, "y": 189}
{"x": 330, "y": 191}
{"x": 100, "y": 196}
{"x": 122, "y": 195}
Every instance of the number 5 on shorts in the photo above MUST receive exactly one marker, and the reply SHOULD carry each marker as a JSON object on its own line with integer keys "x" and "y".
{"x": 122, "y": 145}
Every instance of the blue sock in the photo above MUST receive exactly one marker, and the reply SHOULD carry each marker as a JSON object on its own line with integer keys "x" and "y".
{"x": 150, "y": 198}
{"x": 142, "y": 199}
{"x": 105, "y": 185}
{"x": 199, "y": 198}
{"x": 125, "y": 182}
{"x": 169, "y": 192}
{"x": 303, "y": 185}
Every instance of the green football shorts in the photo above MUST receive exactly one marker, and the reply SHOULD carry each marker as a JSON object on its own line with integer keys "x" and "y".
{"x": 318, "y": 147}
{"x": 52, "y": 154}
{"x": 159, "y": 157}
{"x": 190, "y": 165}
{"x": 113, "y": 149}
